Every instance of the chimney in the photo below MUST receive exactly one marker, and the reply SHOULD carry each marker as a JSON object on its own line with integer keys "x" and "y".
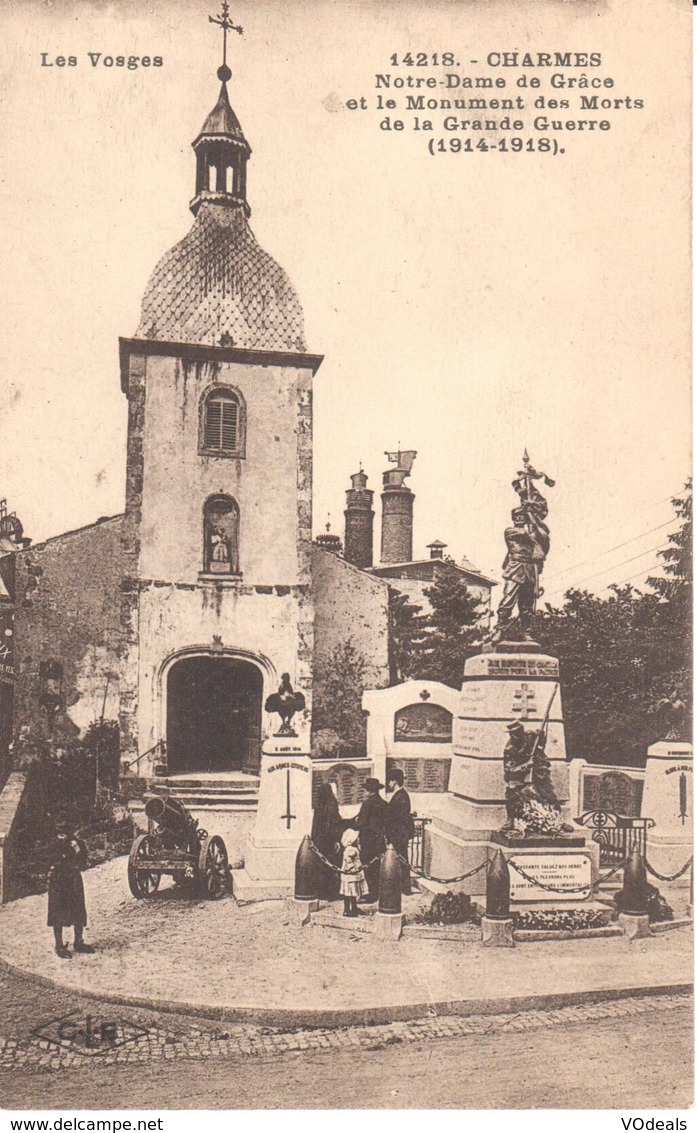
{"x": 397, "y": 510}
{"x": 437, "y": 548}
{"x": 358, "y": 535}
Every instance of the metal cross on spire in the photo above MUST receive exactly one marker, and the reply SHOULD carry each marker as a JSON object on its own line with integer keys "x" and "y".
{"x": 223, "y": 21}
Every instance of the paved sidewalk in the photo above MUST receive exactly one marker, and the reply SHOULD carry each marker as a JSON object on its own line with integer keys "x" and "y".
{"x": 195, "y": 1042}
{"x": 221, "y": 960}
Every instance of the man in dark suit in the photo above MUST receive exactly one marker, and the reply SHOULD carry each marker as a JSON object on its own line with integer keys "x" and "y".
{"x": 370, "y": 822}
{"x": 400, "y": 824}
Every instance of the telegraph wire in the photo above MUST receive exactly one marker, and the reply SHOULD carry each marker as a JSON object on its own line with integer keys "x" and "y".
{"x": 638, "y": 511}
{"x": 613, "y": 566}
{"x": 618, "y": 547}
{"x": 611, "y": 584}
{"x": 623, "y": 580}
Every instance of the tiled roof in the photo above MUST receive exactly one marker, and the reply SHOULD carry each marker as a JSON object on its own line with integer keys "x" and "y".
{"x": 217, "y": 283}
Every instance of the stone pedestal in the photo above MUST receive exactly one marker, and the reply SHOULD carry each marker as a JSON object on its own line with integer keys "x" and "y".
{"x": 388, "y": 926}
{"x": 300, "y": 911}
{"x": 635, "y": 927}
{"x": 500, "y": 687}
{"x": 567, "y": 862}
{"x": 283, "y": 818}
{"x": 667, "y": 800}
{"x": 497, "y": 933}
{"x": 509, "y": 682}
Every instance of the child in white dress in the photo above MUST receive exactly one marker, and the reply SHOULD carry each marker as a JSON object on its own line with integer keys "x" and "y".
{"x": 353, "y": 883}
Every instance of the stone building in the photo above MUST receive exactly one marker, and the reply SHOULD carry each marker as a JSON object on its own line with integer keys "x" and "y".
{"x": 179, "y": 617}
{"x": 408, "y": 576}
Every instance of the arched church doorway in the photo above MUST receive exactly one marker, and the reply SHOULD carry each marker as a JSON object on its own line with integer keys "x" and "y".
{"x": 213, "y": 715}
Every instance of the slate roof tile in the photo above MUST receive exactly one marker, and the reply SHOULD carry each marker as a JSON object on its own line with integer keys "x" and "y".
{"x": 218, "y": 281}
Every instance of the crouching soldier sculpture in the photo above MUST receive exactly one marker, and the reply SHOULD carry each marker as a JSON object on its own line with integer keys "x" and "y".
{"x": 66, "y": 893}
{"x": 527, "y": 774}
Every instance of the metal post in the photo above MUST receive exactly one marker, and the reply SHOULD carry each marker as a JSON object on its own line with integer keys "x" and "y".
{"x": 305, "y": 872}
{"x": 634, "y": 889}
{"x": 497, "y": 922}
{"x": 390, "y": 882}
{"x": 498, "y": 888}
{"x": 634, "y": 918}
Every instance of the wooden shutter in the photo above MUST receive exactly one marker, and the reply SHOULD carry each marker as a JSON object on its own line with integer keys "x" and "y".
{"x": 221, "y": 424}
{"x": 229, "y": 426}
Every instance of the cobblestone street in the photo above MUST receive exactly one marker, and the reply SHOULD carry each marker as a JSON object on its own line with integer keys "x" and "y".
{"x": 37, "y": 1072}
{"x": 195, "y": 1042}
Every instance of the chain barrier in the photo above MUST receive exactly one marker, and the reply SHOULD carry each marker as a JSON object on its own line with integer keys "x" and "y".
{"x": 442, "y": 880}
{"x": 417, "y": 872}
{"x": 338, "y": 869}
{"x": 566, "y": 889}
{"x": 511, "y": 862}
{"x": 664, "y": 877}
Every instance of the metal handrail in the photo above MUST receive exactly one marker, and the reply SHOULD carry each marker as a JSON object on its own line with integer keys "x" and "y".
{"x": 159, "y": 746}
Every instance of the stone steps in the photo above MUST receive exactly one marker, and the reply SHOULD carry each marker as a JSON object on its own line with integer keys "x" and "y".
{"x": 238, "y": 793}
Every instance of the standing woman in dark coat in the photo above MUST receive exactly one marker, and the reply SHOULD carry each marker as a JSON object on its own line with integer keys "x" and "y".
{"x": 66, "y": 893}
{"x": 327, "y": 826}
{"x": 371, "y": 822}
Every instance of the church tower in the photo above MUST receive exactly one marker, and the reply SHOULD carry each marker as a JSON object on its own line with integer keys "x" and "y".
{"x": 217, "y": 600}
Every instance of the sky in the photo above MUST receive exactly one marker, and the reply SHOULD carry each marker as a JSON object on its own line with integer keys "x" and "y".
{"x": 466, "y": 307}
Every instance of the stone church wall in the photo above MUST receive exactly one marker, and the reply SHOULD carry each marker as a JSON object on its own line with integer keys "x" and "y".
{"x": 266, "y": 482}
{"x": 68, "y": 630}
{"x": 262, "y": 613}
{"x": 176, "y": 620}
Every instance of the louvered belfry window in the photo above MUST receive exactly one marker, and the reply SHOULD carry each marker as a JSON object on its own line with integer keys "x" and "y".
{"x": 222, "y": 423}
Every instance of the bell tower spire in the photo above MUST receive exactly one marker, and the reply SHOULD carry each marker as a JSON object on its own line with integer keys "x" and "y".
{"x": 221, "y": 149}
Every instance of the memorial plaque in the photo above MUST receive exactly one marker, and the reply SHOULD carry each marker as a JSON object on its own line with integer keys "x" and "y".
{"x": 423, "y": 723}
{"x": 347, "y": 779}
{"x": 422, "y": 775}
{"x": 558, "y": 870}
{"x": 614, "y": 792}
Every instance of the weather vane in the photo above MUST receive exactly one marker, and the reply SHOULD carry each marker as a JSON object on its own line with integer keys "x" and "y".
{"x": 223, "y": 21}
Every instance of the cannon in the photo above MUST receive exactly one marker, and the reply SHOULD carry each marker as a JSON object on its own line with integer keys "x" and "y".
{"x": 178, "y": 846}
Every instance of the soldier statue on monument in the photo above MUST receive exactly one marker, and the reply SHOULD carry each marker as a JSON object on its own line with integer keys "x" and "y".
{"x": 527, "y": 546}
{"x": 527, "y": 772}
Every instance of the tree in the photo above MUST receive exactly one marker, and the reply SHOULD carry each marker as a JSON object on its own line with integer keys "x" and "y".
{"x": 676, "y": 585}
{"x": 451, "y": 629}
{"x": 340, "y": 681}
{"x": 408, "y": 637}
{"x": 608, "y": 671}
{"x": 620, "y": 655}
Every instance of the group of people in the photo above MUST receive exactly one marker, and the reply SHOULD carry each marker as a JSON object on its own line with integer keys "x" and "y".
{"x": 354, "y": 846}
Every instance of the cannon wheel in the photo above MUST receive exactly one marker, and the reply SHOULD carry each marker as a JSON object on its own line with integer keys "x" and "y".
{"x": 213, "y": 881}
{"x": 142, "y": 884}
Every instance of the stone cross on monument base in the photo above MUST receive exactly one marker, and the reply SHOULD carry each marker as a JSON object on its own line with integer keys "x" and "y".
{"x": 283, "y": 819}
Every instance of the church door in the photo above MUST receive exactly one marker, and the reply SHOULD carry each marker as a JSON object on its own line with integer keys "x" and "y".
{"x": 213, "y": 715}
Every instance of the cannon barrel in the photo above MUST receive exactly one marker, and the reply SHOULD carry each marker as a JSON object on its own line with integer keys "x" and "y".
{"x": 172, "y": 816}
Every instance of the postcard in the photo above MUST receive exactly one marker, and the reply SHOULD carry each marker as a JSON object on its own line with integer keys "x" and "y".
{"x": 345, "y": 557}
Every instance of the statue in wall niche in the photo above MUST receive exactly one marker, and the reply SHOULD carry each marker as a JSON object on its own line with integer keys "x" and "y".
{"x": 286, "y": 703}
{"x": 220, "y": 552}
{"x": 527, "y": 547}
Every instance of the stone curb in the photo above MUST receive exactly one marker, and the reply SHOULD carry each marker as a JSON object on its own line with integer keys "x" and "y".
{"x": 295, "y": 1018}
{"x": 529, "y": 935}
